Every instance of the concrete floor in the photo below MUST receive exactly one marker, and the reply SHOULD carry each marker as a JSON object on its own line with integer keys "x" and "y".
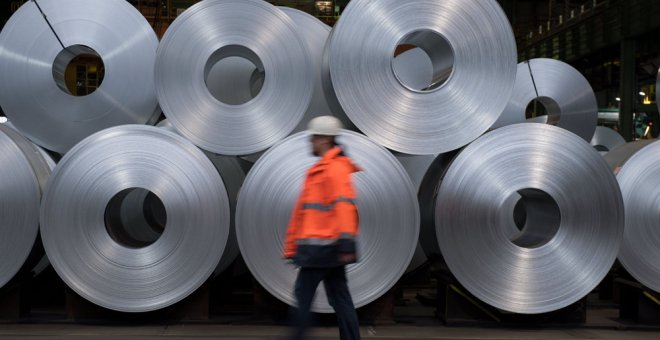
{"x": 252, "y": 332}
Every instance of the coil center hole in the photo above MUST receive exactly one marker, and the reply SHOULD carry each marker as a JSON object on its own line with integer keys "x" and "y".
{"x": 423, "y": 61}
{"x": 135, "y": 218}
{"x": 234, "y": 75}
{"x": 543, "y": 107}
{"x": 78, "y": 70}
{"x": 538, "y": 218}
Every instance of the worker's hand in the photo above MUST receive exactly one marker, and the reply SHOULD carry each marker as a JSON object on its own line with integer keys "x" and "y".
{"x": 346, "y": 258}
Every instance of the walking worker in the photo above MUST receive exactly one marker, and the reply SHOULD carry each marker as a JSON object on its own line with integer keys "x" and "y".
{"x": 321, "y": 235}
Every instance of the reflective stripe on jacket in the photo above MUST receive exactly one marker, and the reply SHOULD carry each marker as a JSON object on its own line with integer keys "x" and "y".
{"x": 324, "y": 221}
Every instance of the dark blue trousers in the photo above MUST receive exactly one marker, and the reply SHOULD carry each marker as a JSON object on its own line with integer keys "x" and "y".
{"x": 334, "y": 280}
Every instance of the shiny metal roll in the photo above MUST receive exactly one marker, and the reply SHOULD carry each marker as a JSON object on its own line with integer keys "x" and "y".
{"x": 389, "y": 217}
{"x": 573, "y": 221}
{"x": 208, "y": 33}
{"x": 606, "y": 139}
{"x": 19, "y": 205}
{"x": 42, "y": 165}
{"x": 640, "y": 249}
{"x": 233, "y": 175}
{"x": 567, "y": 96}
{"x": 33, "y": 65}
{"x": 92, "y": 250}
{"x": 473, "y": 52}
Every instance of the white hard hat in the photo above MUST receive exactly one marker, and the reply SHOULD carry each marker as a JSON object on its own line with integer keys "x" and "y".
{"x": 325, "y": 126}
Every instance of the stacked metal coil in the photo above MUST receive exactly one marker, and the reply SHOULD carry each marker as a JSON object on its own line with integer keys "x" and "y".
{"x": 33, "y": 60}
{"x": 389, "y": 217}
{"x": 606, "y": 139}
{"x": 211, "y": 31}
{"x": 89, "y": 245}
{"x": 24, "y": 170}
{"x": 637, "y": 168}
{"x": 568, "y": 98}
{"x": 469, "y": 56}
{"x": 42, "y": 165}
{"x": 569, "y": 238}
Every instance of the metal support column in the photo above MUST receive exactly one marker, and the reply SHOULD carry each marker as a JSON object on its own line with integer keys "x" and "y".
{"x": 627, "y": 90}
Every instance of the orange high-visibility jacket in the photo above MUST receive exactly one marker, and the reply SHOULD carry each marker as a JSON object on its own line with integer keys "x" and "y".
{"x": 325, "y": 218}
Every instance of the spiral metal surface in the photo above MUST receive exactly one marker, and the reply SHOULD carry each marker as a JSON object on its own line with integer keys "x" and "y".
{"x": 389, "y": 217}
{"x": 33, "y": 63}
{"x": 573, "y": 225}
{"x": 473, "y": 52}
{"x": 606, "y": 139}
{"x": 640, "y": 249}
{"x": 19, "y": 206}
{"x": 568, "y": 98}
{"x": 211, "y": 31}
{"x": 81, "y": 218}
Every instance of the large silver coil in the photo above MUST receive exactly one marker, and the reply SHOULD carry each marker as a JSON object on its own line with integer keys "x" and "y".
{"x": 42, "y": 165}
{"x": 606, "y": 139}
{"x": 240, "y": 81}
{"x": 19, "y": 205}
{"x": 389, "y": 217}
{"x": 572, "y": 230}
{"x": 568, "y": 98}
{"x": 208, "y": 33}
{"x": 473, "y": 52}
{"x": 92, "y": 250}
{"x": 640, "y": 249}
{"x": 233, "y": 175}
{"x": 33, "y": 67}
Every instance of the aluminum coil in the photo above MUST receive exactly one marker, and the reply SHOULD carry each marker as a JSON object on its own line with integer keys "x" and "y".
{"x": 573, "y": 225}
{"x": 473, "y": 51}
{"x": 19, "y": 206}
{"x": 233, "y": 175}
{"x": 82, "y": 231}
{"x": 211, "y": 31}
{"x": 567, "y": 96}
{"x": 32, "y": 62}
{"x": 640, "y": 249}
{"x": 389, "y": 217}
{"x": 42, "y": 164}
{"x": 606, "y": 139}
